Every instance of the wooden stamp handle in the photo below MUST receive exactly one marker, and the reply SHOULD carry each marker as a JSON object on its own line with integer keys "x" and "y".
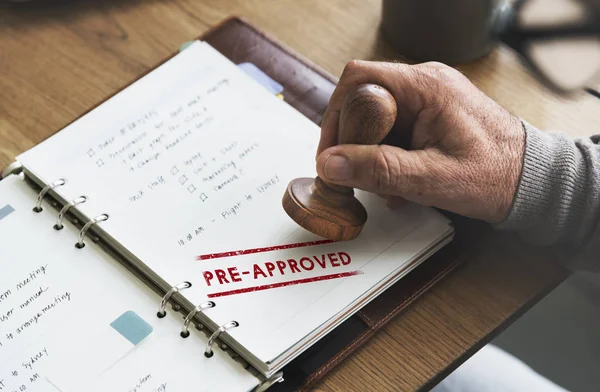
{"x": 332, "y": 211}
{"x": 367, "y": 115}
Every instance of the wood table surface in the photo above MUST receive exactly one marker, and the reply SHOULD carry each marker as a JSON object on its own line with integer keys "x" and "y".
{"x": 57, "y": 59}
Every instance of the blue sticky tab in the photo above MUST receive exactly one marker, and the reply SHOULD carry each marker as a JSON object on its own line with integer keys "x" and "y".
{"x": 184, "y": 45}
{"x": 132, "y": 327}
{"x": 6, "y": 211}
{"x": 261, "y": 77}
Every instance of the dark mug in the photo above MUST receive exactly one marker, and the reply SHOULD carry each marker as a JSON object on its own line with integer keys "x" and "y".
{"x": 559, "y": 40}
{"x": 449, "y": 31}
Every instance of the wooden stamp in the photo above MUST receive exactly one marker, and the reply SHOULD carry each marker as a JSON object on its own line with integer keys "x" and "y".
{"x": 332, "y": 211}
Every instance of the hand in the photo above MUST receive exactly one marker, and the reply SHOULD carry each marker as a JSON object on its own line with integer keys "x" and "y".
{"x": 465, "y": 153}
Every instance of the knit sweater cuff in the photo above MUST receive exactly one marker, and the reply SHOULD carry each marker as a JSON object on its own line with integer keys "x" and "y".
{"x": 550, "y": 200}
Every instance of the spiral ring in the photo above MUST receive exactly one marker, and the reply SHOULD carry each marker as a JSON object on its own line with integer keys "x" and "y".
{"x": 211, "y": 341}
{"x": 63, "y": 211}
{"x": 163, "y": 303}
{"x": 40, "y": 198}
{"x": 84, "y": 229}
{"x": 186, "y": 323}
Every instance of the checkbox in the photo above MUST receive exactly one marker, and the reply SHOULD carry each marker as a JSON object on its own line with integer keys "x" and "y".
{"x": 203, "y": 196}
{"x": 91, "y": 153}
{"x": 100, "y": 162}
{"x": 174, "y": 170}
{"x": 191, "y": 188}
{"x": 183, "y": 179}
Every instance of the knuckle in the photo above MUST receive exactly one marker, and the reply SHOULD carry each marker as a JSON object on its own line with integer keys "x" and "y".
{"x": 434, "y": 65}
{"x": 394, "y": 67}
{"x": 385, "y": 170}
{"x": 354, "y": 67}
{"x": 440, "y": 74}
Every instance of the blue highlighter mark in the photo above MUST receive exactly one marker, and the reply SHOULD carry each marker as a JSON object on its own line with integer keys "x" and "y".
{"x": 132, "y": 327}
{"x": 6, "y": 211}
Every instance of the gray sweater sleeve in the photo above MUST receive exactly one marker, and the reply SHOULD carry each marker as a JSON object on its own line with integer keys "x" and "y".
{"x": 557, "y": 202}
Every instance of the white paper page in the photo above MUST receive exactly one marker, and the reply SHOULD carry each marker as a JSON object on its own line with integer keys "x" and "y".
{"x": 59, "y": 304}
{"x": 203, "y": 171}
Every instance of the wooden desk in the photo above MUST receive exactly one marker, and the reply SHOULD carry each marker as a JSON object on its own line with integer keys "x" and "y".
{"x": 58, "y": 61}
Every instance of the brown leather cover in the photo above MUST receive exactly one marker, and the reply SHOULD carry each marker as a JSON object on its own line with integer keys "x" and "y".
{"x": 308, "y": 88}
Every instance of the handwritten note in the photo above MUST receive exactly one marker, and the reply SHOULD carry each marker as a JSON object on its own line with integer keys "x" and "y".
{"x": 31, "y": 307}
{"x": 145, "y": 140}
{"x": 32, "y": 300}
{"x": 24, "y": 376}
{"x": 229, "y": 211}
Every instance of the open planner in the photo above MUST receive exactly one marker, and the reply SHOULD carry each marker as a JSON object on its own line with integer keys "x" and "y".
{"x": 203, "y": 280}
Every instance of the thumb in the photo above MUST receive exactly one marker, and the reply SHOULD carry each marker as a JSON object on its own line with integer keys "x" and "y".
{"x": 381, "y": 169}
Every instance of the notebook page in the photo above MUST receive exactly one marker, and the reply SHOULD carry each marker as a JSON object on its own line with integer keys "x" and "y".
{"x": 77, "y": 311}
{"x": 192, "y": 161}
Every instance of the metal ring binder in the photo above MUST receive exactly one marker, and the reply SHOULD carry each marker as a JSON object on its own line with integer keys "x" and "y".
{"x": 269, "y": 382}
{"x": 211, "y": 341}
{"x": 14, "y": 168}
{"x": 84, "y": 229}
{"x": 40, "y": 198}
{"x": 186, "y": 323}
{"x": 163, "y": 303}
{"x": 63, "y": 211}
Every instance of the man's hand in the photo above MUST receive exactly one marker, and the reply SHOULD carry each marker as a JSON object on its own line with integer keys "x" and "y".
{"x": 465, "y": 153}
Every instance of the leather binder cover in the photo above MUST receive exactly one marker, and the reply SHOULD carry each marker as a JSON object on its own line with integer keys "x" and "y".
{"x": 308, "y": 88}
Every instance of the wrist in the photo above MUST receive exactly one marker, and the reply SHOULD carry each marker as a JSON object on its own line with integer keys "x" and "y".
{"x": 510, "y": 165}
{"x": 550, "y": 198}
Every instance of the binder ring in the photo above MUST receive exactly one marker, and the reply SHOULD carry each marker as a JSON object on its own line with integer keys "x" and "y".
{"x": 63, "y": 211}
{"x": 211, "y": 341}
{"x": 163, "y": 303}
{"x": 275, "y": 378}
{"x": 186, "y": 323}
{"x": 40, "y": 198}
{"x": 84, "y": 229}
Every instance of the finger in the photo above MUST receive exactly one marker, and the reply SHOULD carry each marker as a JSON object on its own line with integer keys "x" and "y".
{"x": 401, "y": 80}
{"x": 385, "y": 170}
{"x": 329, "y": 129}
